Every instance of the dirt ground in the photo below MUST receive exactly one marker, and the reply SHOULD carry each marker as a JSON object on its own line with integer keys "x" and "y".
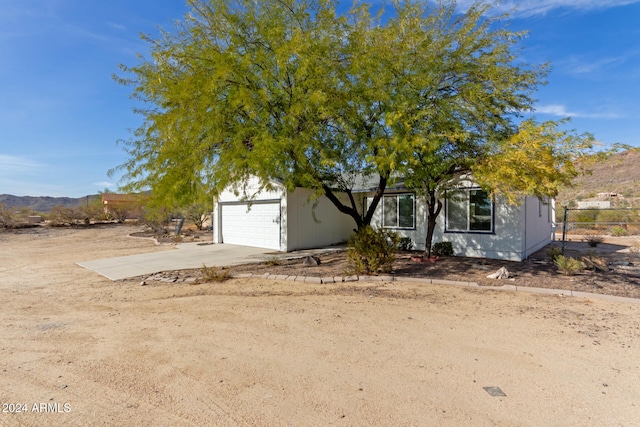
{"x": 79, "y": 349}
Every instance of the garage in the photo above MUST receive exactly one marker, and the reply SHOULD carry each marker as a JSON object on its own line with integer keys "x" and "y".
{"x": 256, "y": 225}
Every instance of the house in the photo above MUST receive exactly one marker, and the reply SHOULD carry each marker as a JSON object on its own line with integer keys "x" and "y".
{"x": 477, "y": 224}
{"x": 121, "y": 206}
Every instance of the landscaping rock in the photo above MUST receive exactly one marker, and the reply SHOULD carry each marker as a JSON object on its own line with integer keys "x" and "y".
{"x": 311, "y": 261}
{"x": 502, "y": 273}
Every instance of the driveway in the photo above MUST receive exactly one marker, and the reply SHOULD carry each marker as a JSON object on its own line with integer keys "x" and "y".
{"x": 186, "y": 255}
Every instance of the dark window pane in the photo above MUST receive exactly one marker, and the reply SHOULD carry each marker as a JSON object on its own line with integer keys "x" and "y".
{"x": 480, "y": 210}
{"x": 406, "y": 210}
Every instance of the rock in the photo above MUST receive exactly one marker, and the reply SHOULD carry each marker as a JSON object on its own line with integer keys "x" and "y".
{"x": 311, "y": 261}
{"x": 502, "y": 273}
{"x": 143, "y": 283}
{"x": 595, "y": 263}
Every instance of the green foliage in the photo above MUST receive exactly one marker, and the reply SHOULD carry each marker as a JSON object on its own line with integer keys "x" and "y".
{"x": 156, "y": 218}
{"x": 618, "y": 231}
{"x": 537, "y": 160}
{"x": 554, "y": 253}
{"x": 567, "y": 266}
{"x": 442, "y": 249}
{"x": 290, "y": 89}
{"x": 198, "y": 213}
{"x": 216, "y": 274}
{"x": 405, "y": 244}
{"x": 372, "y": 251}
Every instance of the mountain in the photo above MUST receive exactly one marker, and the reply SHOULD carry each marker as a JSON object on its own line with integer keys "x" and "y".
{"x": 40, "y": 204}
{"x": 618, "y": 174}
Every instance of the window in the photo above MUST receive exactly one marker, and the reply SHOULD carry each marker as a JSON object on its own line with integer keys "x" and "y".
{"x": 469, "y": 210}
{"x": 398, "y": 210}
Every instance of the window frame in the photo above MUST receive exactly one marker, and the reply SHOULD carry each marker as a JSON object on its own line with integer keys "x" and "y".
{"x": 381, "y": 208}
{"x": 468, "y": 191}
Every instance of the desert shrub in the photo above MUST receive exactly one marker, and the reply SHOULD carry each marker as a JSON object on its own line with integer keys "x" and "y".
{"x": 593, "y": 240}
{"x": 157, "y": 219}
{"x": 372, "y": 250}
{"x": 61, "y": 216}
{"x": 216, "y": 274}
{"x": 7, "y": 216}
{"x": 198, "y": 214}
{"x": 405, "y": 244}
{"x": 442, "y": 249}
{"x": 618, "y": 231}
{"x": 554, "y": 252}
{"x": 567, "y": 265}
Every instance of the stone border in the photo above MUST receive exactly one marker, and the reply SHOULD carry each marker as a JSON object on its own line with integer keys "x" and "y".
{"x": 427, "y": 281}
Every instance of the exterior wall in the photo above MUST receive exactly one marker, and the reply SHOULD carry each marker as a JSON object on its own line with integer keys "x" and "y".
{"x": 312, "y": 224}
{"x": 505, "y": 242}
{"x": 539, "y": 225}
{"x": 518, "y": 231}
{"x": 298, "y": 227}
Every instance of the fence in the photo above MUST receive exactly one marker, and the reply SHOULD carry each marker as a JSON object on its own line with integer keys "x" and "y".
{"x": 613, "y": 222}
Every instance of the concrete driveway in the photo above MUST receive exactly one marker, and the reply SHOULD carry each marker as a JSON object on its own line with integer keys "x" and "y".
{"x": 186, "y": 255}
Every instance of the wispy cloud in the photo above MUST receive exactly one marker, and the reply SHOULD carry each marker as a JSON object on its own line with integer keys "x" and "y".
{"x": 104, "y": 184}
{"x": 526, "y": 8}
{"x": 559, "y": 110}
{"x": 13, "y": 165}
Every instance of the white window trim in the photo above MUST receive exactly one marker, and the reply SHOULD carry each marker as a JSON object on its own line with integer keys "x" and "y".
{"x": 380, "y": 208}
{"x": 467, "y": 206}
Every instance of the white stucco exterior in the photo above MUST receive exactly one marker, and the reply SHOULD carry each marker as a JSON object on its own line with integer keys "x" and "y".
{"x": 303, "y": 222}
{"x": 517, "y": 231}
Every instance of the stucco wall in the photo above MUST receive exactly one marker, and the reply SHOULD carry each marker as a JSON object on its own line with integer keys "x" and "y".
{"x": 314, "y": 223}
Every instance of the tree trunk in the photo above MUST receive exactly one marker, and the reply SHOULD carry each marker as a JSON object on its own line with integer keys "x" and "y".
{"x": 360, "y": 220}
{"x": 434, "y": 206}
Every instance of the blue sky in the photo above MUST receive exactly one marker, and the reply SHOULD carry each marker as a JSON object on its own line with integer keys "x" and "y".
{"x": 61, "y": 113}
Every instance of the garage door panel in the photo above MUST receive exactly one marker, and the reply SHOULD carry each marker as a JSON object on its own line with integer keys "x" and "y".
{"x": 256, "y": 226}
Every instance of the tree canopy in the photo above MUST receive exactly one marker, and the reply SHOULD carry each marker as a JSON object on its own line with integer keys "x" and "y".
{"x": 297, "y": 91}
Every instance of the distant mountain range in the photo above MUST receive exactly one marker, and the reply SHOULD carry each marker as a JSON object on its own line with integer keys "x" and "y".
{"x": 40, "y": 204}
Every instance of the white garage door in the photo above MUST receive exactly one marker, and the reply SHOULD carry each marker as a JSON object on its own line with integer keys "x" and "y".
{"x": 258, "y": 226}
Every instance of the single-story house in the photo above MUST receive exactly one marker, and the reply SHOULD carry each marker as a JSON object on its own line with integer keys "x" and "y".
{"x": 477, "y": 224}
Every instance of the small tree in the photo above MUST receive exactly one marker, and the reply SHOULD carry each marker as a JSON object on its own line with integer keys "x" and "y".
{"x": 198, "y": 213}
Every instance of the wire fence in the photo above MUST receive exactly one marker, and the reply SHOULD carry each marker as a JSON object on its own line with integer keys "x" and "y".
{"x": 593, "y": 224}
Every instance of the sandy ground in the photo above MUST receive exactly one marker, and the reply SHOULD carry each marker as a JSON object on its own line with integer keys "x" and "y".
{"x": 78, "y": 349}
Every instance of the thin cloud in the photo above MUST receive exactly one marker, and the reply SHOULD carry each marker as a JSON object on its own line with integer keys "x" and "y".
{"x": 104, "y": 184}
{"x": 12, "y": 165}
{"x": 527, "y": 8}
{"x": 559, "y": 110}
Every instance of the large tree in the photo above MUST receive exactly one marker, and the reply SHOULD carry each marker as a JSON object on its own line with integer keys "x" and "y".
{"x": 295, "y": 90}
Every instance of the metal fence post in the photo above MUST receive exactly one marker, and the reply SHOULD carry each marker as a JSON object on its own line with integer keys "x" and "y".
{"x": 564, "y": 227}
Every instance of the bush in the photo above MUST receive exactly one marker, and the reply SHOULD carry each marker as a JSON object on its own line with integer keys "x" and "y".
{"x": 216, "y": 274}
{"x": 594, "y": 240}
{"x": 371, "y": 251}
{"x": 554, "y": 253}
{"x": 7, "y": 217}
{"x": 406, "y": 244}
{"x": 442, "y": 249}
{"x": 618, "y": 231}
{"x": 567, "y": 265}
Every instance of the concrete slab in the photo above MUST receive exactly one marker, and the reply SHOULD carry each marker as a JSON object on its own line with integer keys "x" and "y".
{"x": 186, "y": 255}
